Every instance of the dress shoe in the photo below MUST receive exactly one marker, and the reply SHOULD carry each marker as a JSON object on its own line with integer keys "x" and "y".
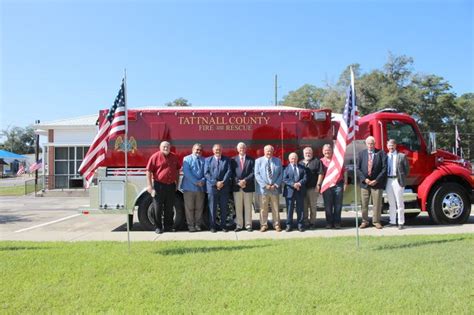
{"x": 238, "y": 229}
{"x": 328, "y": 226}
{"x": 288, "y": 228}
{"x": 337, "y": 226}
{"x": 263, "y": 229}
{"x": 249, "y": 229}
{"x": 378, "y": 226}
{"x": 225, "y": 230}
{"x": 301, "y": 229}
{"x": 192, "y": 229}
{"x": 278, "y": 229}
{"x": 198, "y": 228}
{"x": 401, "y": 227}
{"x": 213, "y": 230}
{"x": 364, "y": 225}
{"x": 158, "y": 231}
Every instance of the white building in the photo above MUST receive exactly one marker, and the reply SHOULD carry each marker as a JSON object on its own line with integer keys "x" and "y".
{"x": 67, "y": 141}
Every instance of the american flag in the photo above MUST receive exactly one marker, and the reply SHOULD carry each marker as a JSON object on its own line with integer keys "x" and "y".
{"x": 112, "y": 126}
{"x": 36, "y": 165}
{"x": 21, "y": 170}
{"x": 345, "y": 135}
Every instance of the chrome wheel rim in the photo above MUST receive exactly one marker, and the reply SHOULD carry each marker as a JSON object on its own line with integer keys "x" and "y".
{"x": 452, "y": 205}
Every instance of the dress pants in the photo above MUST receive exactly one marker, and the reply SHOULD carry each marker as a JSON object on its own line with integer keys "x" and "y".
{"x": 376, "y": 194}
{"x": 395, "y": 201}
{"x": 310, "y": 206}
{"x": 220, "y": 197}
{"x": 193, "y": 207}
{"x": 165, "y": 197}
{"x": 333, "y": 204}
{"x": 298, "y": 201}
{"x": 274, "y": 201}
{"x": 243, "y": 208}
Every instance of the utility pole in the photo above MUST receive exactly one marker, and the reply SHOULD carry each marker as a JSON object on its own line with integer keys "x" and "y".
{"x": 36, "y": 154}
{"x": 276, "y": 90}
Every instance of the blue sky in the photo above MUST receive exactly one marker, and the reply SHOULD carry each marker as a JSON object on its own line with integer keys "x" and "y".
{"x": 62, "y": 59}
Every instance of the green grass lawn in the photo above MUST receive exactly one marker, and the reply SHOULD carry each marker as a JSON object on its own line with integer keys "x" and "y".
{"x": 405, "y": 274}
{"x": 19, "y": 190}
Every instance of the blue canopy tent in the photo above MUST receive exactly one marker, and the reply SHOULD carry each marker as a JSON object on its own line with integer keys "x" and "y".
{"x": 9, "y": 157}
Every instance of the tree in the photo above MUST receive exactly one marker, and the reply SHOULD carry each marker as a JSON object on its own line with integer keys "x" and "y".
{"x": 307, "y": 96}
{"x": 19, "y": 140}
{"x": 179, "y": 102}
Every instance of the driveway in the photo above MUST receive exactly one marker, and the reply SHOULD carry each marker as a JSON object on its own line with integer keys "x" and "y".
{"x": 57, "y": 219}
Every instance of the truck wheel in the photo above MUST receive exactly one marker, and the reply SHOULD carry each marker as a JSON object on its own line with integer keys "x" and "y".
{"x": 179, "y": 215}
{"x": 145, "y": 213}
{"x": 450, "y": 204}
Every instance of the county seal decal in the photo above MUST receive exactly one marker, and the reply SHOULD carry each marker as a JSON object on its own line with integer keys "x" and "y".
{"x": 120, "y": 145}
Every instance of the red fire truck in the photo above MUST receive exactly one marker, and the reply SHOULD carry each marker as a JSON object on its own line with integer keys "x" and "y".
{"x": 441, "y": 182}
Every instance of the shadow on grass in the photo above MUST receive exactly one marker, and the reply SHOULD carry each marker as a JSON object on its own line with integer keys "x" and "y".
{"x": 418, "y": 244}
{"x": 15, "y": 248}
{"x": 198, "y": 250}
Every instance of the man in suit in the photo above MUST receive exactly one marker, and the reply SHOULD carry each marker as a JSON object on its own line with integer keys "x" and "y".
{"x": 294, "y": 177}
{"x": 193, "y": 187}
{"x": 372, "y": 172}
{"x": 397, "y": 171}
{"x": 218, "y": 174}
{"x": 242, "y": 167}
{"x": 314, "y": 173}
{"x": 269, "y": 174}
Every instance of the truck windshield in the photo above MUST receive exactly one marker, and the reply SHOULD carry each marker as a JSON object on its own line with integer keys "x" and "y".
{"x": 404, "y": 134}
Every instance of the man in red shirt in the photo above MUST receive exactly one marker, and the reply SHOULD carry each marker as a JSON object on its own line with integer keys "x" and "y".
{"x": 162, "y": 177}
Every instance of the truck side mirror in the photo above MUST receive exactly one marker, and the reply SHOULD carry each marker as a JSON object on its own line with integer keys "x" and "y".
{"x": 432, "y": 142}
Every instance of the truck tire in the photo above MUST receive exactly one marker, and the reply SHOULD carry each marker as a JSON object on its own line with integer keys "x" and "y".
{"x": 450, "y": 204}
{"x": 179, "y": 215}
{"x": 145, "y": 214}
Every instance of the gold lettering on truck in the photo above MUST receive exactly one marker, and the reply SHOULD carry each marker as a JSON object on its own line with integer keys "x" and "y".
{"x": 233, "y": 123}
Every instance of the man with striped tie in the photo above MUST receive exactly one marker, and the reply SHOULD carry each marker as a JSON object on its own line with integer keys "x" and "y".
{"x": 372, "y": 172}
{"x": 269, "y": 175}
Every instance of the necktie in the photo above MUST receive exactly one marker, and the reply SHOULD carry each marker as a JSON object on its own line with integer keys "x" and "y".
{"x": 269, "y": 171}
{"x": 369, "y": 165}
{"x": 295, "y": 171}
{"x": 389, "y": 166}
{"x": 242, "y": 162}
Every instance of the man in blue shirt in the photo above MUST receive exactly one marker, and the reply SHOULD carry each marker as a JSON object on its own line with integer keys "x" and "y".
{"x": 193, "y": 186}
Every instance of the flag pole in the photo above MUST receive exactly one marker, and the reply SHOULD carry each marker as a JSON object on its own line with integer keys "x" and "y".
{"x": 355, "y": 164}
{"x": 126, "y": 155}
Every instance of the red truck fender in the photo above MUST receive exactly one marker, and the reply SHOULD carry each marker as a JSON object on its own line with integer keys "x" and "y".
{"x": 443, "y": 174}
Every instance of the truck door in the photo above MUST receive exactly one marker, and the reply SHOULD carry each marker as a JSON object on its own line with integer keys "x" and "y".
{"x": 409, "y": 142}
{"x": 289, "y": 141}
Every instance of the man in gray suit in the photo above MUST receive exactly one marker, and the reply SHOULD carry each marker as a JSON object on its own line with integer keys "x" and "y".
{"x": 269, "y": 175}
{"x": 397, "y": 171}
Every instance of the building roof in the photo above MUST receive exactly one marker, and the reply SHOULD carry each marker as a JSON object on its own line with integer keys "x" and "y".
{"x": 88, "y": 120}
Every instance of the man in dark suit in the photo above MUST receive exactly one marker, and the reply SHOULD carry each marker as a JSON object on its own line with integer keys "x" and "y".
{"x": 294, "y": 177}
{"x": 242, "y": 167}
{"x": 397, "y": 171}
{"x": 218, "y": 179}
{"x": 372, "y": 172}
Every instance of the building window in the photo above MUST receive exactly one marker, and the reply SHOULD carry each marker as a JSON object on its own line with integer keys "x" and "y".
{"x": 66, "y": 163}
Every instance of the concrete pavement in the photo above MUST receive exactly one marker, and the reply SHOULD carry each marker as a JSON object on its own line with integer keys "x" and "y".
{"x": 32, "y": 218}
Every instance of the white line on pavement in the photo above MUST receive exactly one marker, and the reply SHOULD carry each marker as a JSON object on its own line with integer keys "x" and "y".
{"x": 48, "y": 223}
